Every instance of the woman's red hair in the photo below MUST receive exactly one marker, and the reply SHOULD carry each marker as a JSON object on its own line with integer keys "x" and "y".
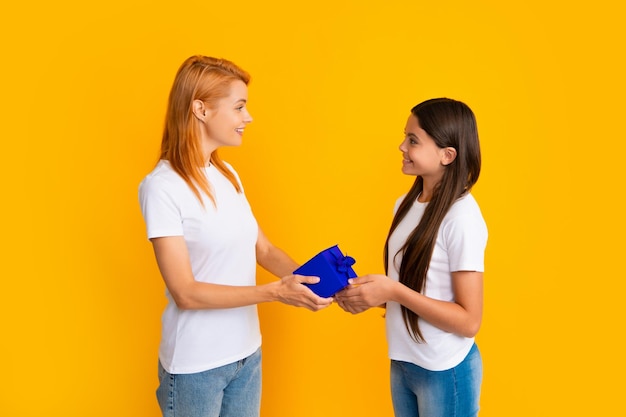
{"x": 198, "y": 78}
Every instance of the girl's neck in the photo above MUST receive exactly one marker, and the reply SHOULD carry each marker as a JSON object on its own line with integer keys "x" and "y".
{"x": 426, "y": 194}
{"x": 424, "y": 198}
{"x": 428, "y": 185}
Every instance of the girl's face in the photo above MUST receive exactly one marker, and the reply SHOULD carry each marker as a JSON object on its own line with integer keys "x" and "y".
{"x": 421, "y": 156}
{"x": 224, "y": 125}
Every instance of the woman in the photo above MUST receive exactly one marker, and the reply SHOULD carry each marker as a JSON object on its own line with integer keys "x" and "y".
{"x": 434, "y": 261}
{"x": 207, "y": 244}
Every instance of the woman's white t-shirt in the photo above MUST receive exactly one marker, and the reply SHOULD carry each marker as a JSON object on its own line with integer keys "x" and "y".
{"x": 221, "y": 242}
{"x": 460, "y": 246}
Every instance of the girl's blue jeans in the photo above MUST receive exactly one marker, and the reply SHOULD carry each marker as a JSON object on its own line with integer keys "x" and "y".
{"x": 455, "y": 392}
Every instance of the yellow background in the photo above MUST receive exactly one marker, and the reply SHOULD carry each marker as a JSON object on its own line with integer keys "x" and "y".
{"x": 84, "y": 87}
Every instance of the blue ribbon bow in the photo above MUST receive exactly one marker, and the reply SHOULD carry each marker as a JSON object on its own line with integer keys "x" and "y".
{"x": 343, "y": 263}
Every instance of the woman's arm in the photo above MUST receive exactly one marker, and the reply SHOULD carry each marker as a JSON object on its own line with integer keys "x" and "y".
{"x": 188, "y": 294}
{"x": 289, "y": 289}
{"x": 273, "y": 259}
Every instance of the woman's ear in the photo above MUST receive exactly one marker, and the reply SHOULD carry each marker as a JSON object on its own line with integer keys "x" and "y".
{"x": 449, "y": 155}
{"x": 199, "y": 110}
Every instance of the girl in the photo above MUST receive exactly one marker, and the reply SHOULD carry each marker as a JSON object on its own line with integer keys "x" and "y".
{"x": 207, "y": 244}
{"x": 434, "y": 261}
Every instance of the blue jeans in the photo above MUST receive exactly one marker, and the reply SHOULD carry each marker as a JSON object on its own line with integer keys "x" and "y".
{"x": 455, "y": 392}
{"x": 232, "y": 390}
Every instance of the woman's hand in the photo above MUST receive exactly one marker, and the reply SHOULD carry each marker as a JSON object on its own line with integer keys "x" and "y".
{"x": 289, "y": 290}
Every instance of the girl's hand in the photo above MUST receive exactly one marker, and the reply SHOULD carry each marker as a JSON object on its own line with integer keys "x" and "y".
{"x": 365, "y": 292}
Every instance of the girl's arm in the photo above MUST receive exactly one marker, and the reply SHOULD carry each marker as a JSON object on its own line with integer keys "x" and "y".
{"x": 462, "y": 316}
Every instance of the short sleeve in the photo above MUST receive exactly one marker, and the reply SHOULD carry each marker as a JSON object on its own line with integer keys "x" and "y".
{"x": 399, "y": 201}
{"x": 159, "y": 209}
{"x": 466, "y": 240}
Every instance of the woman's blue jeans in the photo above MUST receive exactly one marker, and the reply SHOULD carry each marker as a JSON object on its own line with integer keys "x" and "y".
{"x": 455, "y": 392}
{"x": 232, "y": 390}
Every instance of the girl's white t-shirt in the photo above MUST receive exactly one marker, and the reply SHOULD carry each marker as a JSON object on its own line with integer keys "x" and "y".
{"x": 221, "y": 242}
{"x": 460, "y": 246}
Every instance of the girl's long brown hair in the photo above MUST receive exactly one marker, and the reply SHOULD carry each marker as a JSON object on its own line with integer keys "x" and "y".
{"x": 451, "y": 124}
{"x": 198, "y": 78}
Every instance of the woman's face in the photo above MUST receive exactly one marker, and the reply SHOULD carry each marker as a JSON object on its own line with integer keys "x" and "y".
{"x": 421, "y": 156}
{"x": 226, "y": 122}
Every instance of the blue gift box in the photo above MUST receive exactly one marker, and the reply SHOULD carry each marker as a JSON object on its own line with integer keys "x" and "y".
{"x": 332, "y": 267}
